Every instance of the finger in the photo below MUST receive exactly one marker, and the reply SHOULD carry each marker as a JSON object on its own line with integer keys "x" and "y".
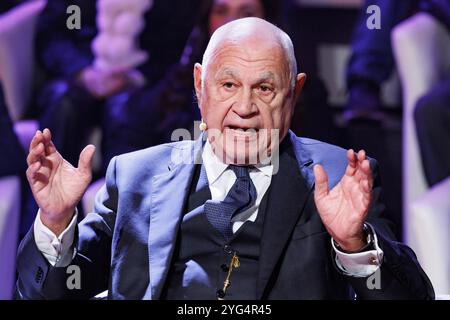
{"x": 365, "y": 187}
{"x": 85, "y": 161}
{"x": 361, "y": 156}
{"x": 47, "y": 135}
{"x": 365, "y": 167}
{"x": 35, "y": 154}
{"x": 366, "y": 181}
{"x": 367, "y": 171}
{"x": 49, "y": 146}
{"x": 366, "y": 195}
{"x": 34, "y": 175}
{"x": 352, "y": 160}
{"x": 364, "y": 170}
{"x": 38, "y": 137}
{"x": 32, "y": 169}
{"x": 351, "y": 157}
{"x": 321, "y": 181}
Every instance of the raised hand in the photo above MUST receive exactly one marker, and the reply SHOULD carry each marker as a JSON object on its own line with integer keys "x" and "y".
{"x": 56, "y": 185}
{"x": 343, "y": 210}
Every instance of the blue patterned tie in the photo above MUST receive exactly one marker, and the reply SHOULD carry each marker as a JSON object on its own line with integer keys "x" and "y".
{"x": 241, "y": 196}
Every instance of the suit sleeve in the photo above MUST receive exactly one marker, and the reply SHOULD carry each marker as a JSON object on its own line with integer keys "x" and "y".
{"x": 400, "y": 275}
{"x": 37, "y": 279}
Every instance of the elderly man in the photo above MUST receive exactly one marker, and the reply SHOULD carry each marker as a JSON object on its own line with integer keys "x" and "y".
{"x": 249, "y": 212}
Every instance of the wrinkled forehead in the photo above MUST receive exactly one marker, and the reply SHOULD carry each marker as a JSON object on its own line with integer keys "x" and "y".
{"x": 248, "y": 53}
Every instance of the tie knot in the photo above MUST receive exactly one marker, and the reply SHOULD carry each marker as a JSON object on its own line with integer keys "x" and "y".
{"x": 240, "y": 171}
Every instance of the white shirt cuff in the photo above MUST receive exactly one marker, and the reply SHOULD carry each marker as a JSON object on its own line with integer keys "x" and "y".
{"x": 58, "y": 251}
{"x": 361, "y": 264}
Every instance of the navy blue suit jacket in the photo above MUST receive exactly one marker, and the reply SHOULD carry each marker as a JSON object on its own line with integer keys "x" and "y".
{"x": 126, "y": 246}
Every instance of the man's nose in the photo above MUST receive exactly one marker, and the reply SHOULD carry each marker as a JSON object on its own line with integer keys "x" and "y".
{"x": 245, "y": 107}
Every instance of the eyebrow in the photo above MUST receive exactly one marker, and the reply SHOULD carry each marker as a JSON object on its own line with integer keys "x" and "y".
{"x": 265, "y": 76}
{"x": 227, "y": 72}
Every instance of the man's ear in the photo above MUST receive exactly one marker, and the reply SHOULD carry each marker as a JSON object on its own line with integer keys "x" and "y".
{"x": 198, "y": 81}
{"x": 299, "y": 82}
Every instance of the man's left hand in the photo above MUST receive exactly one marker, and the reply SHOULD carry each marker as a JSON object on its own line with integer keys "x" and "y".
{"x": 343, "y": 210}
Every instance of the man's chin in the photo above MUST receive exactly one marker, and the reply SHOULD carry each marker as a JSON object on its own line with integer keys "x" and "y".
{"x": 245, "y": 154}
{"x": 242, "y": 159}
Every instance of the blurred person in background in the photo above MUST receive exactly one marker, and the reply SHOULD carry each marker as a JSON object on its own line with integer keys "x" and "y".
{"x": 171, "y": 103}
{"x": 77, "y": 97}
{"x": 371, "y": 61}
{"x": 13, "y": 163}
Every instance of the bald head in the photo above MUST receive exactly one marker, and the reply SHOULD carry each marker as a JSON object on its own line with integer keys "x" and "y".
{"x": 249, "y": 30}
{"x": 247, "y": 89}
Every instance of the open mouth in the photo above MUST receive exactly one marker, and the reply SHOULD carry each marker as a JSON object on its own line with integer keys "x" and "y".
{"x": 242, "y": 131}
{"x": 238, "y": 133}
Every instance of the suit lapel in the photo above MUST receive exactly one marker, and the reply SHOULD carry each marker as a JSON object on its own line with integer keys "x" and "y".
{"x": 169, "y": 192}
{"x": 288, "y": 194}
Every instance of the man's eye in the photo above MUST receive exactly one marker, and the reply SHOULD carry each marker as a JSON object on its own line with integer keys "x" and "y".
{"x": 265, "y": 88}
{"x": 228, "y": 85}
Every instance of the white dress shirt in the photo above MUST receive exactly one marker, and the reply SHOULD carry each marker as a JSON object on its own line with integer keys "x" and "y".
{"x": 59, "y": 250}
{"x": 221, "y": 179}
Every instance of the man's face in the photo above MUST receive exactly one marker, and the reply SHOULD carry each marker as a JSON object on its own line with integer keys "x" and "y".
{"x": 247, "y": 99}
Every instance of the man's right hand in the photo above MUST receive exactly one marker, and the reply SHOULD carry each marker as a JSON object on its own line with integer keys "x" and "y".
{"x": 56, "y": 185}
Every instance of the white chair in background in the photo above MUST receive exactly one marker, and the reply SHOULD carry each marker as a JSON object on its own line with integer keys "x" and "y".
{"x": 9, "y": 226}
{"x": 17, "y": 54}
{"x": 431, "y": 215}
{"x": 422, "y": 52}
{"x": 16, "y": 73}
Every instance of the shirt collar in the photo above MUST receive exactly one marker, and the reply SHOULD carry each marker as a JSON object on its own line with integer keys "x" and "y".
{"x": 267, "y": 169}
{"x": 215, "y": 168}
